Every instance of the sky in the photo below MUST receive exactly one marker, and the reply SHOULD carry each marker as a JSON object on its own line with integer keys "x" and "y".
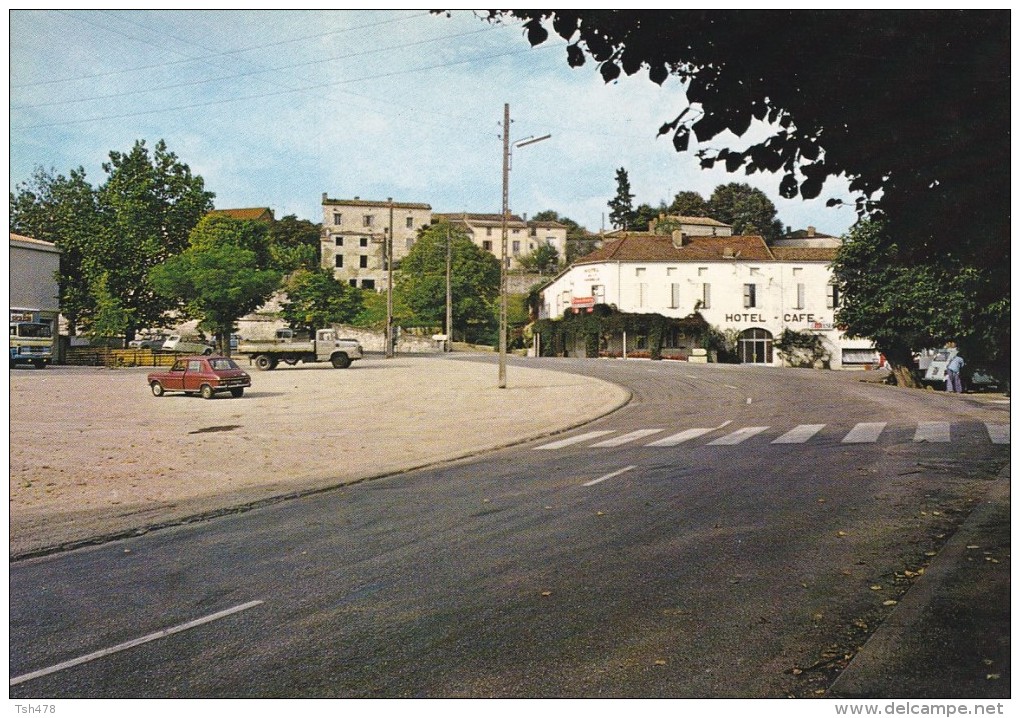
{"x": 275, "y": 108}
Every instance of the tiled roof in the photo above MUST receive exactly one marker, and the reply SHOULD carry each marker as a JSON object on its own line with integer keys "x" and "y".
{"x": 358, "y": 202}
{"x": 482, "y": 219}
{"x": 246, "y": 213}
{"x": 805, "y": 254}
{"x": 705, "y": 221}
{"x": 642, "y": 247}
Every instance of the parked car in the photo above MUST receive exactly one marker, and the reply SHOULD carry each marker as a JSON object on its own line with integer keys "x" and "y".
{"x": 205, "y": 375}
{"x": 974, "y": 376}
{"x": 153, "y": 343}
{"x": 177, "y": 343}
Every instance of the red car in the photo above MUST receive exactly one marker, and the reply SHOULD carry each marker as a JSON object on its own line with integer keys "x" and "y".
{"x": 205, "y": 375}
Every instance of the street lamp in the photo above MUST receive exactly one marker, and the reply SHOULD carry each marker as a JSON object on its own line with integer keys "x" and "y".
{"x": 503, "y": 254}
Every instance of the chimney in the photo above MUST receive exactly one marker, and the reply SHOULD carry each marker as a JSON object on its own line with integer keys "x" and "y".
{"x": 680, "y": 238}
{"x": 810, "y": 231}
{"x": 324, "y": 197}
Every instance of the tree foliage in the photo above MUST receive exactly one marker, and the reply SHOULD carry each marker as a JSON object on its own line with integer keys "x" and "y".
{"x": 621, "y": 215}
{"x": 474, "y": 282}
{"x": 747, "y": 209}
{"x": 316, "y": 300}
{"x": 689, "y": 204}
{"x": 294, "y": 243}
{"x": 221, "y": 276}
{"x": 908, "y": 306}
{"x": 111, "y": 236}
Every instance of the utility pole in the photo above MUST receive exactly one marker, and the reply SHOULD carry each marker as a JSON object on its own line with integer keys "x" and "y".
{"x": 449, "y": 294}
{"x": 503, "y": 251}
{"x": 389, "y": 285}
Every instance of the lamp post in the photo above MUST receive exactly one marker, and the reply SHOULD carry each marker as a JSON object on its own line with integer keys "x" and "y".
{"x": 389, "y": 285}
{"x": 504, "y": 259}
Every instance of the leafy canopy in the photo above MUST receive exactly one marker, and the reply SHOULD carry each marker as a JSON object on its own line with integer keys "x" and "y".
{"x": 474, "y": 279}
{"x": 316, "y": 300}
{"x": 221, "y": 276}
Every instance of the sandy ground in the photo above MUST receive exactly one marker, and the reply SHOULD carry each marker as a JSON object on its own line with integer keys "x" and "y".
{"x": 93, "y": 453}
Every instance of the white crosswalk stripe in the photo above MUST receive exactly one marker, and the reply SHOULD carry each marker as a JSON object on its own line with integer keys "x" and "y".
{"x": 799, "y": 434}
{"x": 626, "y": 438}
{"x": 936, "y": 432}
{"x": 573, "y": 440}
{"x": 680, "y": 438}
{"x": 865, "y": 433}
{"x": 738, "y": 436}
{"x": 998, "y": 433}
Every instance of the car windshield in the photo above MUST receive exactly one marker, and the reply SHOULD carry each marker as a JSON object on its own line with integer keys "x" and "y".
{"x": 223, "y": 364}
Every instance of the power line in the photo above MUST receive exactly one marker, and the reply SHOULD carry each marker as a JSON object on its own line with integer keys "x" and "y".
{"x": 259, "y": 71}
{"x": 185, "y": 61}
{"x": 288, "y": 91}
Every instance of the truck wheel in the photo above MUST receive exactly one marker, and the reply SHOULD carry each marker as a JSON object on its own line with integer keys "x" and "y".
{"x": 207, "y": 392}
{"x": 340, "y": 361}
{"x": 237, "y": 393}
{"x": 157, "y": 389}
{"x": 39, "y": 364}
{"x": 264, "y": 363}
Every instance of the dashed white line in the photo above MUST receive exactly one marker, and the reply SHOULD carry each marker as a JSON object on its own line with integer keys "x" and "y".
{"x": 572, "y": 440}
{"x": 626, "y": 438}
{"x": 681, "y": 437}
{"x": 998, "y": 433}
{"x": 599, "y": 480}
{"x": 738, "y": 436}
{"x": 135, "y": 642}
{"x": 936, "y": 432}
{"x": 799, "y": 434}
{"x": 864, "y": 433}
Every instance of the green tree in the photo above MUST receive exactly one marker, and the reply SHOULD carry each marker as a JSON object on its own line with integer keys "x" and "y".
{"x": 748, "y": 209}
{"x": 110, "y": 319}
{"x": 622, "y": 205}
{"x": 148, "y": 206}
{"x": 219, "y": 278}
{"x": 317, "y": 300}
{"x": 474, "y": 282}
{"x": 689, "y": 204}
{"x": 904, "y": 306}
{"x": 62, "y": 210}
{"x": 294, "y": 243}
{"x": 644, "y": 214}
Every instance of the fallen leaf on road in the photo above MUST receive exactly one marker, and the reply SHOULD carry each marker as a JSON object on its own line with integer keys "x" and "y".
{"x": 546, "y": 593}
{"x": 876, "y": 587}
{"x": 890, "y": 602}
{"x": 660, "y": 662}
{"x": 841, "y": 533}
{"x": 972, "y": 546}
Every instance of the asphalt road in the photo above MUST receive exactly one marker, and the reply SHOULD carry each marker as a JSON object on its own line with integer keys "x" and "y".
{"x": 732, "y": 532}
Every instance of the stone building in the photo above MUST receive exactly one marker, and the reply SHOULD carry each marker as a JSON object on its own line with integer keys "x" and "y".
{"x": 355, "y": 233}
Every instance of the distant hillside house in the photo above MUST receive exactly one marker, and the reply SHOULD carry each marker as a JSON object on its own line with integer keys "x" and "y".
{"x": 355, "y": 232}
{"x": 258, "y": 214}
{"x": 809, "y": 238}
{"x": 523, "y": 237}
{"x": 738, "y": 284}
{"x": 693, "y": 226}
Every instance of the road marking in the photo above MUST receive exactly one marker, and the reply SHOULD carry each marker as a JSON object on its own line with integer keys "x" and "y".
{"x": 680, "y": 438}
{"x": 865, "y": 433}
{"x": 573, "y": 440}
{"x": 729, "y": 386}
{"x": 998, "y": 433}
{"x": 624, "y": 470}
{"x": 626, "y": 438}
{"x": 936, "y": 432}
{"x": 136, "y": 642}
{"x": 799, "y": 434}
{"x": 738, "y": 436}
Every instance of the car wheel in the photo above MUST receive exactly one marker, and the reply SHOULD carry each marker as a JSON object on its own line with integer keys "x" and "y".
{"x": 39, "y": 364}
{"x": 207, "y": 352}
{"x": 237, "y": 393}
{"x": 157, "y": 389}
{"x": 340, "y": 361}
{"x": 207, "y": 392}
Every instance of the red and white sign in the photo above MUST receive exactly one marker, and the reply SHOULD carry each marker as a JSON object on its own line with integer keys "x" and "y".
{"x": 579, "y": 303}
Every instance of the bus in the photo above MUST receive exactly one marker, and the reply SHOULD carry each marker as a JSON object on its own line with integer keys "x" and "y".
{"x": 31, "y": 339}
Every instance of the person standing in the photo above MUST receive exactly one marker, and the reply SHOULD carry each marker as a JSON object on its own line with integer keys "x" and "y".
{"x": 953, "y": 369}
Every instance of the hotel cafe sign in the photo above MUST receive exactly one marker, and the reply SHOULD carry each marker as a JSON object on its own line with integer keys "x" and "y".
{"x": 810, "y": 320}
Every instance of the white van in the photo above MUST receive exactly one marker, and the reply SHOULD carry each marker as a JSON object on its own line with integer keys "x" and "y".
{"x": 175, "y": 343}
{"x": 972, "y": 376}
